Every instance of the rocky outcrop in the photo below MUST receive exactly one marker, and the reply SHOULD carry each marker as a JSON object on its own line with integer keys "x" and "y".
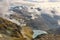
{"x": 48, "y": 37}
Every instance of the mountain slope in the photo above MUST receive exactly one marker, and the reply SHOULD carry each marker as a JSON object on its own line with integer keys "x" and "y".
{"x": 10, "y": 29}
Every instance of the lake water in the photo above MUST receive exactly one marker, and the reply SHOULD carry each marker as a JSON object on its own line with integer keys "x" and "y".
{"x": 38, "y": 32}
